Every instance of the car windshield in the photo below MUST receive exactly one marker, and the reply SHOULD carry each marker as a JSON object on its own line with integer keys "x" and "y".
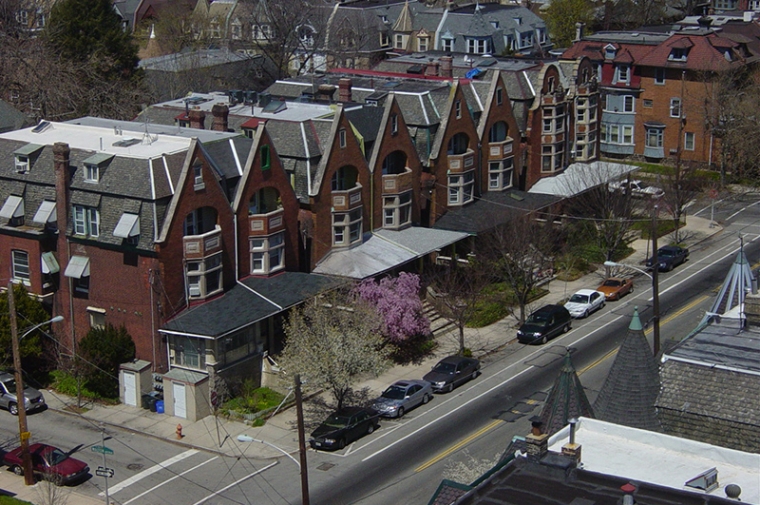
{"x": 576, "y": 298}
{"x": 445, "y": 368}
{"x": 538, "y": 319}
{"x": 666, "y": 252}
{"x": 612, "y": 283}
{"x": 336, "y": 421}
{"x": 56, "y": 456}
{"x": 394, "y": 393}
{"x": 10, "y": 385}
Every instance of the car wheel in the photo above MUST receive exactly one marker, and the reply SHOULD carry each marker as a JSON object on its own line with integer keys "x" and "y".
{"x": 601, "y": 306}
{"x": 631, "y": 290}
{"x": 370, "y": 428}
{"x": 17, "y": 470}
{"x": 451, "y": 387}
{"x": 566, "y": 328}
{"x": 543, "y": 339}
{"x": 13, "y": 408}
{"x": 425, "y": 398}
{"x": 585, "y": 314}
{"x": 342, "y": 443}
{"x": 474, "y": 375}
{"x": 400, "y": 412}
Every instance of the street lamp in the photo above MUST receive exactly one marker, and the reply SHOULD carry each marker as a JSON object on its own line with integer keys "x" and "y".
{"x": 20, "y": 398}
{"x": 655, "y": 298}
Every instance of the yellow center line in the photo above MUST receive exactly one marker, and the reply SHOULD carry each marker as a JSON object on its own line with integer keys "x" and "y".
{"x": 493, "y": 424}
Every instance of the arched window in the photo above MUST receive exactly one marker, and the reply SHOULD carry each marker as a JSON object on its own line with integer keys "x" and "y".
{"x": 344, "y": 178}
{"x": 394, "y": 163}
{"x": 498, "y": 132}
{"x": 264, "y": 201}
{"x": 458, "y": 144}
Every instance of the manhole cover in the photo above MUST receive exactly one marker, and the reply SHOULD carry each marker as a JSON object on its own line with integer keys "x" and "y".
{"x": 325, "y": 466}
{"x": 135, "y": 466}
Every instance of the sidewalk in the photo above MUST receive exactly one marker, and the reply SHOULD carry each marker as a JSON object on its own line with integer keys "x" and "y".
{"x": 220, "y": 436}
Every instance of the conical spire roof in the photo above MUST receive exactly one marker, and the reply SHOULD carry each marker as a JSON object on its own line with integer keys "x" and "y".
{"x": 734, "y": 287}
{"x": 566, "y": 400}
{"x": 628, "y": 395}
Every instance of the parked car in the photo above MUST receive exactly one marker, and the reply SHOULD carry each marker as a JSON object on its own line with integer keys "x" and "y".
{"x": 49, "y": 463}
{"x": 638, "y": 189}
{"x": 402, "y": 396}
{"x": 451, "y": 372}
{"x": 343, "y": 427}
{"x": 584, "y": 302}
{"x": 669, "y": 257}
{"x": 33, "y": 399}
{"x": 544, "y": 324}
{"x": 614, "y": 288}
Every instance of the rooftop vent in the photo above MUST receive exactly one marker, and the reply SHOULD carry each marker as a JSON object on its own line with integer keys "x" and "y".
{"x": 706, "y": 481}
{"x": 41, "y": 127}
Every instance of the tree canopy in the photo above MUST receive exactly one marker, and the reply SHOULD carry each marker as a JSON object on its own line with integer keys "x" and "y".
{"x": 29, "y": 312}
{"x": 561, "y": 17}
{"x": 104, "y": 349}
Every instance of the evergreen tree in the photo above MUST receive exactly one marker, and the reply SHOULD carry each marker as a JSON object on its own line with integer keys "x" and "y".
{"x": 104, "y": 349}
{"x": 561, "y": 17}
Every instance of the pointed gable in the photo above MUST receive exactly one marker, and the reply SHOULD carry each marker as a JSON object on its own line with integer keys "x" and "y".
{"x": 405, "y": 22}
{"x": 629, "y": 394}
{"x": 566, "y": 400}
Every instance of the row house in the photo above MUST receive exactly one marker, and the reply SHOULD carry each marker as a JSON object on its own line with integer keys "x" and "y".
{"x": 153, "y": 227}
{"x": 32, "y": 15}
{"x": 655, "y": 87}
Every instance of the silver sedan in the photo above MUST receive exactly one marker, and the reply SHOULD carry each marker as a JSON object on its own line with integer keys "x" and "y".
{"x": 403, "y": 396}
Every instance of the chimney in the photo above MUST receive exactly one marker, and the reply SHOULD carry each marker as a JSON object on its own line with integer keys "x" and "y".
{"x": 537, "y": 442}
{"x": 431, "y": 68}
{"x": 752, "y": 309}
{"x": 62, "y": 170}
{"x": 197, "y": 119}
{"x": 747, "y": 16}
{"x": 572, "y": 449}
{"x": 579, "y": 27}
{"x": 344, "y": 90}
{"x": 447, "y": 64}
{"x": 628, "y": 489}
{"x": 221, "y": 114}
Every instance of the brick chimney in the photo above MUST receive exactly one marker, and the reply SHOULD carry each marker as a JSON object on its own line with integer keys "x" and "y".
{"x": 572, "y": 449}
{"x": 537, "y": 442}
{"x": 344, "y": 90}
{"x": 61, "y": 154}
{"x": 197, "y": 119}
{"x": 447, "y": 64}
{"x": 432, "y": 68}
{"x": 221, "y": 114}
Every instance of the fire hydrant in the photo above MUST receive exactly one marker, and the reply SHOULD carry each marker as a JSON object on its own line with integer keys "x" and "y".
{"x": 179, "y": 432}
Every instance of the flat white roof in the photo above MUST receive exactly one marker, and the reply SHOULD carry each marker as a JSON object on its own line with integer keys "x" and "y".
{"x": 660, "y": 459}
{"x": 102, "y": 140}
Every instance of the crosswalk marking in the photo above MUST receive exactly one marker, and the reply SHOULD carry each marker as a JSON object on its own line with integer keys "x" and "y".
{"x": 149, "y": 471}
{"x": 169, "y": 480}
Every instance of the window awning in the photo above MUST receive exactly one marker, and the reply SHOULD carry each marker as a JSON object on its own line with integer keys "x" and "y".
{"x": 49, "y": 263}
{"x": 128, "y": 226}
{"x": 13, "y": 207}
{"x": 46, "y": 213}
{"x": 78, "y": 267}
{"x": 27, "y": 149}
{"x": 98, "y": 158}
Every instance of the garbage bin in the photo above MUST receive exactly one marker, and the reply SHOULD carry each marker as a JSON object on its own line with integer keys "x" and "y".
{"x": 154, "y": 397}
{"x": 159, "y": 407}
{"x": 147, "y": 400}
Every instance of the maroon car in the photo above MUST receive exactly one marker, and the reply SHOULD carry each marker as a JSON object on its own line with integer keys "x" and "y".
{"x": 49, "y": 463}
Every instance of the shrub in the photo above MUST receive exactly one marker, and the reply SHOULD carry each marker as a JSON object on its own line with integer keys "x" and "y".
{"x": 413, "y": 350}
{"x": 253, "y": 399}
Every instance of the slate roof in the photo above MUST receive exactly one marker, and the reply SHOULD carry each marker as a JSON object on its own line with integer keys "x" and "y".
{"x": 633, "y": 383}
{"x": 566, "y": 400}
{"x": 491, "y": 209}
{"x": 705, "y": 53}
{"x": 252, "y": 299}
{"x": 11, "y": 118}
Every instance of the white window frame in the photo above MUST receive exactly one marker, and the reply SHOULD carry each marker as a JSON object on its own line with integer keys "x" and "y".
{"x": 399, "y": 41}
{"x": 554, "y": 119}
{"x": 478, "y": 46}
{"x": 342, "y": 137}
{"x": 689, "y": 141}
{"x": 675, "y": 107}
{"x": 347, "y": 227}
{"x": 267, "y": 253}
{"x": 622, "y": 73}
{"x": 91, "y": 172}
{"x": 461, "y": 188}
{"x": 397, "y": 210}
{"x": 422, "y": 44}
{"x": 659, "y": 75}
{"x": 199, "y": 279}
{"x": 552, "y": 156}
{"x": 656, "y": 134}
{"x": 20, "y": 267}
{"x": 394, "y": 124}
{"x": 501, "y": 174}
{"x": 629, "y": 103}
{"x": 86, "y": 221}
{"x": 447, "y": 44}
{"x": 385, "y": 40}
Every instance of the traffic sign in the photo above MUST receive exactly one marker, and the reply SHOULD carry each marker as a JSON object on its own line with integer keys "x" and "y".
{"x": 102, "y": 449}
{"x": 103, "y": 471}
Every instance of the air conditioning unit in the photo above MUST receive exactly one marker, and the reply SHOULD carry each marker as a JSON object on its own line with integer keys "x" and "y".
{"x": 194, "y": 291}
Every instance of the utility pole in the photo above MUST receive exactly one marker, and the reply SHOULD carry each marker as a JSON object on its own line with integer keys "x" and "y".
{"x": 24, "y": 434}
{"x": 302, "y": 443}
{"x": 655, "y": 286}
{"x": 103, "y": 442}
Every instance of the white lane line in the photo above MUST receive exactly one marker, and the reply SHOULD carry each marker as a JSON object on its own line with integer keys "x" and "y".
{"x": 741, "y": 210}
{"x": 225, "y": 488}
{"x": 148, "y": 472}
{"x": 169, "y": 480}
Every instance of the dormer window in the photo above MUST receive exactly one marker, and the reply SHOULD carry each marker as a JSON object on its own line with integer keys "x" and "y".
{"x": 610, "y": 52}
{"x": 678, "y": 54}
{"x": 91, "y": 173}
{"x": 94, "y": 166}
{"x": 623, "y": 73}
{"x": 518, "y": 21}
{"x": 24, "y": 157}
{"x": 495, "y": 24}
{"x": 22, "y": 164}
{"x": 394, "y": 124}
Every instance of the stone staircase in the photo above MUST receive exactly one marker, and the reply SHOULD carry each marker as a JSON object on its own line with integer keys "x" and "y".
{"x": 438, "y": 323}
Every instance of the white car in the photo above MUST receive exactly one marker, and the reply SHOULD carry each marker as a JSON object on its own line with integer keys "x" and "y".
{"x": 584, "y": 302}
{"x": 638, "y": 189}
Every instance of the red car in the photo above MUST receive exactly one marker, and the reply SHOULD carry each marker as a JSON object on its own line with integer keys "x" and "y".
{"x": 48, "y": 463}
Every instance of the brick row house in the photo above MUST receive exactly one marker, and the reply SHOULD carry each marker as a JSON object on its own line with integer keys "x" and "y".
{"x": 655, "y": 90}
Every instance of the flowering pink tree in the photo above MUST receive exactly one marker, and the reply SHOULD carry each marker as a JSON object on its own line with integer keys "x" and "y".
{"x": 397, "y": 300}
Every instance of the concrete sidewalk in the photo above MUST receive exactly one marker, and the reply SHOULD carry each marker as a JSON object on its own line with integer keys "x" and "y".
{"x": 279, "y": 435}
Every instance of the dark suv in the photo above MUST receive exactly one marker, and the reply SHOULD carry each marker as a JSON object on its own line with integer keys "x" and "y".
{"x": 544, "y": 324}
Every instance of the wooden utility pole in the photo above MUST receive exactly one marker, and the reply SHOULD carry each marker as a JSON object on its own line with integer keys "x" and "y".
{"x": 655, "y": 286}
{"x": 302, "y": 443}
{"x": 24, "y": 435}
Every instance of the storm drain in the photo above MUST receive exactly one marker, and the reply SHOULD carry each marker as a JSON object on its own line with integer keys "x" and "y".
{"x": 325, "y": 466}
{"x": 135, "y": 466}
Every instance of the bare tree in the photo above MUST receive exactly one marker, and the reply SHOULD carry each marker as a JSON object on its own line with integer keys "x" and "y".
{"x": 457, "y": 290}
{"x": 50, "y": 493}
{"x": 333, "y": 341}
{"x": 519, "y": 253}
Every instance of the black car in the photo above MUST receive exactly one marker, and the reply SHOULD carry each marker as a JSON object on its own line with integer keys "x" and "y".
{"x": 669, "y": 257}
{"x": 452, "y": 371}
{"x": 544, "y": 324}
{"x": 343, "y": 427}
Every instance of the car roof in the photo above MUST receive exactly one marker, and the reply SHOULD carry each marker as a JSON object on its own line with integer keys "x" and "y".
{"x": 586, "y": 292}
{"x": 453, "y": 359}
{"x": 550, "y": 308}
{"x": 670, "y": 247}
{"x": 407, "y": 382}
{"x": 4, "y": 376}
{"x": 349, "y": 411}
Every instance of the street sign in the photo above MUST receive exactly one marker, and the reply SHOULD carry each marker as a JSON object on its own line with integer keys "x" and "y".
{"x": 102, "y": 449}
{"x": 25, "y": 435}
{"x": 103, "y": 471}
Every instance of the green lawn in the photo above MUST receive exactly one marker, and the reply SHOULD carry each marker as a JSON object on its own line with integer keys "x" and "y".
{"x": 9, "y": 500}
